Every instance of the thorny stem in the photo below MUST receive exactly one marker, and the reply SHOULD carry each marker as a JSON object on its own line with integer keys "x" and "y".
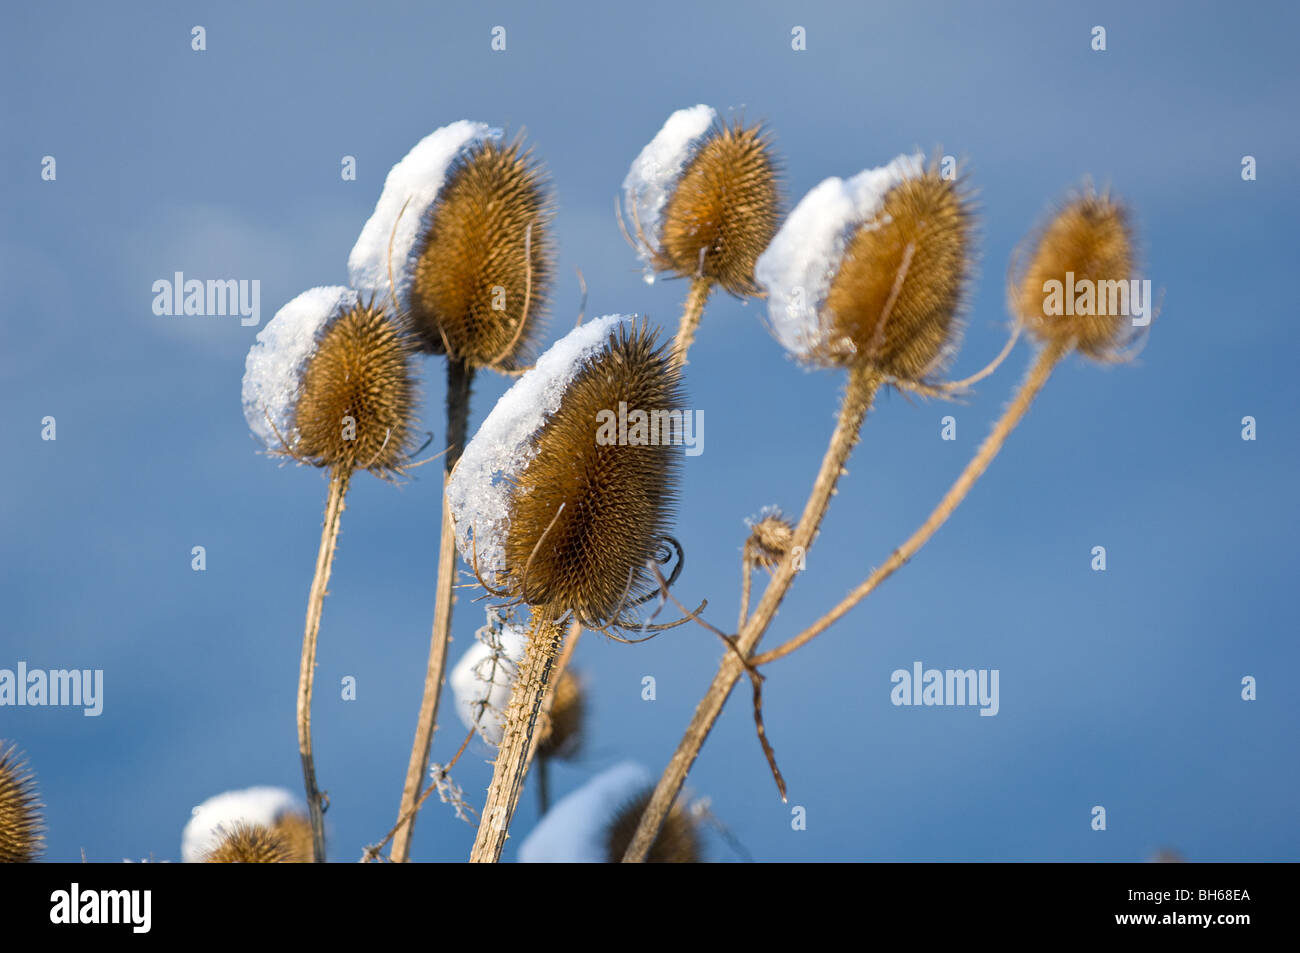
{"x": 460, "y": 377}
{"x": 1015, "y": 412}
{"x": 518, "y": 736}
{"x": 858, "y": 396}
{"x": 746, "y": 575}
{"x": 339, "y": 479}
{"x": 557, "y": 671}
{"x": 691, "y": 312}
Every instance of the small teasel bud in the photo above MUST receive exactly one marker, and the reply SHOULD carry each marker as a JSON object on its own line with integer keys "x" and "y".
{"x": 562, "y": 734}
{"x": 556, "y": 499}
{"x": 1088, "y": 244}
{"x": 21, "y": 828}
{"x": 678, "y": 841}
{"x": 329, "y": 382}
{"x": 872, "y": 272}
{"x": 770, "y": 538}
{"x": 251, "y": 844}
{"x": 704, "y": 199}
{"x": 485, "y": 259}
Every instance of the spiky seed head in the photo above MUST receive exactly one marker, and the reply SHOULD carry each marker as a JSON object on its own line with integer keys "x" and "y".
{"x": 358, "y": 395}
{"x": 1091, "y": 239}
{"x": 617, "y": 494}
{"x": 725, "y": 205}
{"x": 770, "y": 538}
{"x": 485, "y": 259}
{"x": 562, "y": 733}
{"x": 896, "y": 299}
{"x": 294, "y": 830}
{"x": 249, "y": 844}
{"x": 21, "y": 828}
{"x": 678, "y": 841}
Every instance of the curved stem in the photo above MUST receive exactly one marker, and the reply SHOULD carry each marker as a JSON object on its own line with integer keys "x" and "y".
{"x": 1015, "y": 412}
{"x": 460, "y": 377}
{"x": 691, "y": 312}
{"x": 858, "y": 396}
{"x": 518, "y": 736}
{"x": 339, "y": 478}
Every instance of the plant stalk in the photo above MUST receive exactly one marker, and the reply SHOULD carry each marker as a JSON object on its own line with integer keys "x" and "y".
{"x": 460, "y": 377}
{"x": 338, "y": 488}
{"x": 858, "y": 396}
{"x": 691, "y": 312}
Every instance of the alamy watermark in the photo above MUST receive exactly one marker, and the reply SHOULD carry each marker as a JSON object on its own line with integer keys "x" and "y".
{"x": 653, "y": 428}
{"x": 1128, "y": 297}
{"x": 56, "y": 687}
{"x": 954, "y": 686}
{"x": 216, "y": 296}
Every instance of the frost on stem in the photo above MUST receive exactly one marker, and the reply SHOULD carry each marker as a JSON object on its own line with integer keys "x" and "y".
{"x": 482, "y": 680}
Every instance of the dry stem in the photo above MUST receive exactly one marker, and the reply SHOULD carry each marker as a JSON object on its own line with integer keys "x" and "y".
{"x": 459, "y": 379}
{"x": 518, "y": 736}
{"x": 1015, "y": 412}
{"x": 858, "y": 396}
{"x": 339, "y": 478}
{"x": 691, "y": 312}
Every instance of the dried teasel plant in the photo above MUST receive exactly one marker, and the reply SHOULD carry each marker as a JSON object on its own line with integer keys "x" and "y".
{"x": 867, "y": 275}
{"x": 704, "y": 201}
{"x": 244, "y": 825}
{"x": 22, "y": 836}
{"x": 460, "y": 240}
{"x": 250, "y": 844}
{"x": 560, "y": 516}
{"x": 328, "y": 383}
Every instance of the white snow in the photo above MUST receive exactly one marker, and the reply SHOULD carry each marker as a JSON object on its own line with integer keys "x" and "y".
{"x": 804, "y": 257}
{"x": 653, "y": 175}
{"x": 414, "y": 183}
{"x": 573, "y": 831}
{"x": 217, "y": 816}
{"x": 483, "y": 678}
{"x": 275, "y": 364}
{"x": 478, "y": 493}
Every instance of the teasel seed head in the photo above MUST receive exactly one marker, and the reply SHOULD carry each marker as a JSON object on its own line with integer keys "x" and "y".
{"x": 486, "y": 258}
{"x": 329, "y": 381}
{"x": 1090, "y": 238}
{"x": 295, "y": 831}
{"x": 704, "y": 197}
{"x": 21, "y": 828}
{"x": 562, "y": 734}
{"x": 678, "y": 841}
{"x": 250, "y": 844}
{"x": 273, "y": 814}
{"x": 770, "y": 538}
{"x": 873, "y": 272}
{"x": 587, "y": 516}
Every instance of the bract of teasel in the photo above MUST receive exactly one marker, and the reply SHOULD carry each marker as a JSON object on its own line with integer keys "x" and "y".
{"x": 872, "y": 271}
{"x": 703, "y": 197}
{"x": 586, "y": 825}
{"x": 538, "y": 470}
{"x": 1087, "y": 244}
{"x": 329, "y": 382}
{"x": 21, "y": 827}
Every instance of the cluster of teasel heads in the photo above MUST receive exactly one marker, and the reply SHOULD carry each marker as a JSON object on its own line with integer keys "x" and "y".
{"x": 867, "y": 275}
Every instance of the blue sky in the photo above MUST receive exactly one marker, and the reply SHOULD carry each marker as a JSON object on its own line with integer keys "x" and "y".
{"x": 1119, "y": 689}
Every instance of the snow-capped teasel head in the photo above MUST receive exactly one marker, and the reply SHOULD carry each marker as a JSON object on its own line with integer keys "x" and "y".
{"x": 219, "y": 816}
{"x": 481, "y": 681}
{"x": 871, "y": 270}
{"x": 703, "y": 199}
{"x": 328, "y": 382}
{"x": 594, "y": 824}
{"x": 410, "y": 190}
{"x": 542, "y": 468}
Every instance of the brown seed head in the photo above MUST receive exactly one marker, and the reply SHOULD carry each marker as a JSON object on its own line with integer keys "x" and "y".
{"x": 725, "y": 206}
{"x": 485, "y": 260}
{"x": 1090, "y": 239}
{"x": 21, "y": 837}
{"x": 562, "y": 734}
{"x": 617, "y": 495}
{"x": 770, "y": 538}
{"x": 250, "y": 844}
{"x": 295, "y": 831}
{"x": 358, "y": 395}
{"x": 896, "y": 299}
{"x": 678, "y": 841}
